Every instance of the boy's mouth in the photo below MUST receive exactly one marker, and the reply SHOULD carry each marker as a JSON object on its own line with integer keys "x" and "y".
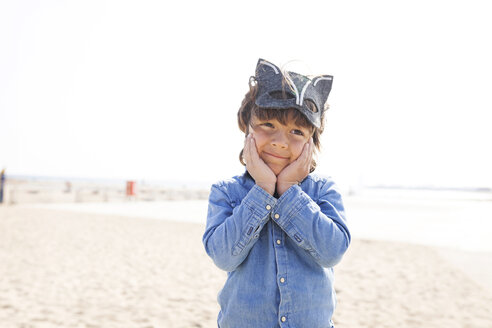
{"x": 276, "y": 156}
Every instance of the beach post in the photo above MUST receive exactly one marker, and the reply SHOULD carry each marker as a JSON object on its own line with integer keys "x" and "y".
{"x": 130, "y": 189}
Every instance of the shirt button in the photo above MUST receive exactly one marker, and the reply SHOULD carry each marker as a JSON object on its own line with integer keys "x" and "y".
{"x": 268, "y": 207}
{"x": 283, "y": 319}
{"x": 282, "y": 280}
{"x": 278, "y": 241}
{"x": 276, "y": 216}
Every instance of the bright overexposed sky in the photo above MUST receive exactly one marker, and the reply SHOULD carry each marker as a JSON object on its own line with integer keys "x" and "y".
{"x": 150, "y": 89}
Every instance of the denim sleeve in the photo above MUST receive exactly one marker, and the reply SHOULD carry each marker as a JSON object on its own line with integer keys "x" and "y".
{"x": 318, "y": 227}
{"x": 231, "y": 231}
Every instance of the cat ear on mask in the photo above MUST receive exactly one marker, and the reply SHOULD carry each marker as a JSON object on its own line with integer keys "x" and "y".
{"x": 265, "y": 67}
{"x": 322, "y": 86}
{"x": 271, "y": 82}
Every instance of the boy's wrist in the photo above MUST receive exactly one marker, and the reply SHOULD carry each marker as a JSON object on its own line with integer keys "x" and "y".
{"x": 283, "y": 186}
{"x": 267, "y": 186}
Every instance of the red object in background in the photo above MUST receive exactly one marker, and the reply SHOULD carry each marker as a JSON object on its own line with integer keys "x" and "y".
{"x": 130, "y": 188}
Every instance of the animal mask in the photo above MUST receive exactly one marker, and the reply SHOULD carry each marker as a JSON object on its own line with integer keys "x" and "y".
{"x": 290, "y": 90}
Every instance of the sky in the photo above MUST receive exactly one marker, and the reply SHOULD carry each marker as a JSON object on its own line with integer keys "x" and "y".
{"x": 149, "y": 90}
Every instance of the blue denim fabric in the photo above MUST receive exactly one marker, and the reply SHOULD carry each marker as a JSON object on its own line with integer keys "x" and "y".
{"x": 279, "y": 253}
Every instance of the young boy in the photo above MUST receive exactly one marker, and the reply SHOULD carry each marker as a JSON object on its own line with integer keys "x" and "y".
{"x": 278, "y": 230}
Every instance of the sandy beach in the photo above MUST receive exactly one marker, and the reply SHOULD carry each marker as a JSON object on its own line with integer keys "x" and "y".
{"x": 73, "y": 269}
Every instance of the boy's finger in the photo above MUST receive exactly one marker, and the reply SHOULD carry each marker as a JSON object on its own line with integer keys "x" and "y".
{"x": 311, "y": 152}
{"x": 253, "y": 150}
{"x": 305, "y": 152}
{"x": 252, "y": 153}
{"x": 309, "y": 155}
{"x": 246, "y": 152}
{"x": 302, "y": 157}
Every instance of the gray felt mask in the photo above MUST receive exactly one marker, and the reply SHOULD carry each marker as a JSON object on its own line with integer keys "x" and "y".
{"x": 274, "y": 92}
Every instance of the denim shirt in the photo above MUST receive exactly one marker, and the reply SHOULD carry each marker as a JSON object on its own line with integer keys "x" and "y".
{"x": 279, "y": 253}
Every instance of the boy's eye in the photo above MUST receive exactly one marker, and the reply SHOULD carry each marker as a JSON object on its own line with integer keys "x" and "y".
{"x": 298, "y": 132}
{"x": 268, "y": 124}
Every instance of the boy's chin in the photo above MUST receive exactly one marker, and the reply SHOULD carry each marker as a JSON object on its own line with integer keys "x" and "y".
{"x": 276, "y": 168}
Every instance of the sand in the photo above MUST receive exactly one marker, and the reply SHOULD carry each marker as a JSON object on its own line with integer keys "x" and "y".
{"x": 71, "y": 269}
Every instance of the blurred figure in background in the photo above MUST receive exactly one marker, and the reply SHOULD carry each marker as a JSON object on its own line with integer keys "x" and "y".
{"x": 2, "y": 181}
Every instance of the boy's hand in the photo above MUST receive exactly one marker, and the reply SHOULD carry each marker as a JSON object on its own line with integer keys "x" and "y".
{"x": 257, "y": 168}
{"x": 296, "y": 171}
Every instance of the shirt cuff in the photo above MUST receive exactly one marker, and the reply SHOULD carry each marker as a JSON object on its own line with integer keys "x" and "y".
{"x": 259, "y": 201}
{"x": 291, "y": 201}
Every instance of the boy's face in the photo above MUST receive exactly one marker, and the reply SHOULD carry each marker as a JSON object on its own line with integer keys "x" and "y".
{"x": 278, "y": 145}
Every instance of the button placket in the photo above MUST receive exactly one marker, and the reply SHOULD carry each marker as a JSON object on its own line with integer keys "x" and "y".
{"x": 278, "y": 236}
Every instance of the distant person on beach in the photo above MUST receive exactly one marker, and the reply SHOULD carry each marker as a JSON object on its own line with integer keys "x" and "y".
{"x": 2, "y": 182}
{"x": 278, "y": 229}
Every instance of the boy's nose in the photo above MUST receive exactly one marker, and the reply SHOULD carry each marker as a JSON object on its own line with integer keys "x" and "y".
{"x": 280, "y": 140}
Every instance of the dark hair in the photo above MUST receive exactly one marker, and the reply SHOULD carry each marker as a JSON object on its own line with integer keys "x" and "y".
{"x": 248, "y": 108}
